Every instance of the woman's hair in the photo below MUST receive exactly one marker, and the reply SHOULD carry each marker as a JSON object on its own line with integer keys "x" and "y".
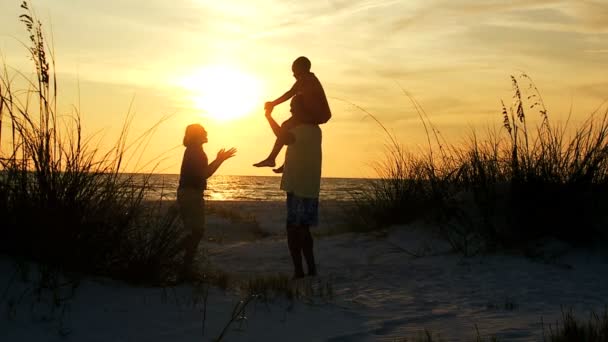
{"x": 194, "y": 135}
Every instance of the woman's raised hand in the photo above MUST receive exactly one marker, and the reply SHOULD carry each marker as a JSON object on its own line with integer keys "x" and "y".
{"x": 223, "y": 154}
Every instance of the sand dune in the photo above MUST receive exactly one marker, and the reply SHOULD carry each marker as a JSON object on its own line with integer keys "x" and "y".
{"x": 385, "y": 286}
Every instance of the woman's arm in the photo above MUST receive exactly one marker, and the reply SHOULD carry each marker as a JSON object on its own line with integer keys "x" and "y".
{"x": 222, "y": 155}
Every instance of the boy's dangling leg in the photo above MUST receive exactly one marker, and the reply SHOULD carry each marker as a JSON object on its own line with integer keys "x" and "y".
{"x": 270, "y": 161}
{"x": 276, "y": 149}
{"x": 278, "y": 144}
{"x": 279, "y": 169}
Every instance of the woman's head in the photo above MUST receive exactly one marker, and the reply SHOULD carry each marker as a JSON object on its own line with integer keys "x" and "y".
{"x": 300, "y": 66}
{"x": 195, "y": 135}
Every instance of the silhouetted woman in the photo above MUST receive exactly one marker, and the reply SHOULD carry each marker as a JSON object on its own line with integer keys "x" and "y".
{"x": 192, "y": 183}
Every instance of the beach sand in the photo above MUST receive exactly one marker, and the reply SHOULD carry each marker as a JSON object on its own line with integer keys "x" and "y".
{"x": 386, "y": 286}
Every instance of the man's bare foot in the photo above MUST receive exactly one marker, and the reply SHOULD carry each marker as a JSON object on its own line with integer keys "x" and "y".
{"x": 279, "y": 169}
{"x": 265, "y": 162}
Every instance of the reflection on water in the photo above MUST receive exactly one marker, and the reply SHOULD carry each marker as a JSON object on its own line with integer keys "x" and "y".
{"x": 252, "y": 188}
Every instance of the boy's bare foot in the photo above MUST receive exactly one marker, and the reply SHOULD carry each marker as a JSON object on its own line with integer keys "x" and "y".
{"x": 279, "y": 169}
{"x": 265, "y": 162}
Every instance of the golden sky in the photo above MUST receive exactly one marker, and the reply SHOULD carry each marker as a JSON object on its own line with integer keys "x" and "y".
{"x": 216, "y": 62}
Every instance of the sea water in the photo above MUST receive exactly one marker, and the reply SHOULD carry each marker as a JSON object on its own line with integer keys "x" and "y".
{"x": 251, "y": 188}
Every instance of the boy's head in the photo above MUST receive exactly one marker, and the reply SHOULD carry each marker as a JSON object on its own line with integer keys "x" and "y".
{"x": 195, "y": 135}
{"x": 300, "y": 66}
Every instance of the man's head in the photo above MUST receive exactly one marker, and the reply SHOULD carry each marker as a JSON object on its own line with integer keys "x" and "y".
{"x": 300, "y": 66}
{"x": 195, "y": 135}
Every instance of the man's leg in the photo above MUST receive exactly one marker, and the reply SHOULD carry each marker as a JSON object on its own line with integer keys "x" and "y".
{"x": 307, "y": 249}
{"x": 294, "y": 242}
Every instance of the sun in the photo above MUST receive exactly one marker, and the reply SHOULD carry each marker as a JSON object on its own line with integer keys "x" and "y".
{"x": 223, "y": 92}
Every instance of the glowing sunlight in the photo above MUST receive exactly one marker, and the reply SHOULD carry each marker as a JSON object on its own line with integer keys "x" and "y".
{"x": 222, "y": 92}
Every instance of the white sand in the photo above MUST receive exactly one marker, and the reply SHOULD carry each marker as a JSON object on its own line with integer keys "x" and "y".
{"x": 381, "y": 292}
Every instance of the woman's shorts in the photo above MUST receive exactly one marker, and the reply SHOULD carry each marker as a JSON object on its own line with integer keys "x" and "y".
{"x": 302, "y": 211}
{"x": 192, "y": 209}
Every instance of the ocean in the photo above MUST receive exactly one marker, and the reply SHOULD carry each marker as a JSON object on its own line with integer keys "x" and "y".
{"x": 252, "y": 188}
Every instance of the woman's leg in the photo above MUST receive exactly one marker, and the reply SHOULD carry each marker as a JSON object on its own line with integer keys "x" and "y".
{"x": 192, "y": 210}
{"x": 190, "y": 246}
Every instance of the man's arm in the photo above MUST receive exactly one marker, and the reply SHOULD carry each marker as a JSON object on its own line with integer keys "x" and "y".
{"x": 222, "y": 155}
{"x": 284, "y": 135}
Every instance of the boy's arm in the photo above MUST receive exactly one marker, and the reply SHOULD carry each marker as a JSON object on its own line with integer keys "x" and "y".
{"x": 289, "y": 94}
{"x": 222, "y": 155}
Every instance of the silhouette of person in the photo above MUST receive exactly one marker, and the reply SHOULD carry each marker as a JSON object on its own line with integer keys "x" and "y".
{"x": 308, "y": 105}
{"x": 195, "y": 170}
{"x": 301, "y": 180}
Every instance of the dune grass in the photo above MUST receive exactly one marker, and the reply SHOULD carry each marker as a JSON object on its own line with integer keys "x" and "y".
{"x": 568, "y": 329}
{"x": 65, "y": 203}
{"x": 506, "y": 189}
{"x": 595, "y": 329}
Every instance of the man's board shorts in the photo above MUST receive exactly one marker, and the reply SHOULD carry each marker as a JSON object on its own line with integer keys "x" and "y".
{"x": 302, "y": 211}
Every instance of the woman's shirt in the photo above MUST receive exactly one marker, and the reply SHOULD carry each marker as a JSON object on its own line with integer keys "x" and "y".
{"x": 194, "y": 166}
{"x": 302, "y": 172}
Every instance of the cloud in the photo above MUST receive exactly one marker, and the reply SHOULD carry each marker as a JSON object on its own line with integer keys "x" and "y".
{"x": 597, "y": 51}
{"x": 592, "y": 14}
{"x": 587, "y": 16}
{"x": 597, "y": 90}
{"x": 444, "y": 14}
